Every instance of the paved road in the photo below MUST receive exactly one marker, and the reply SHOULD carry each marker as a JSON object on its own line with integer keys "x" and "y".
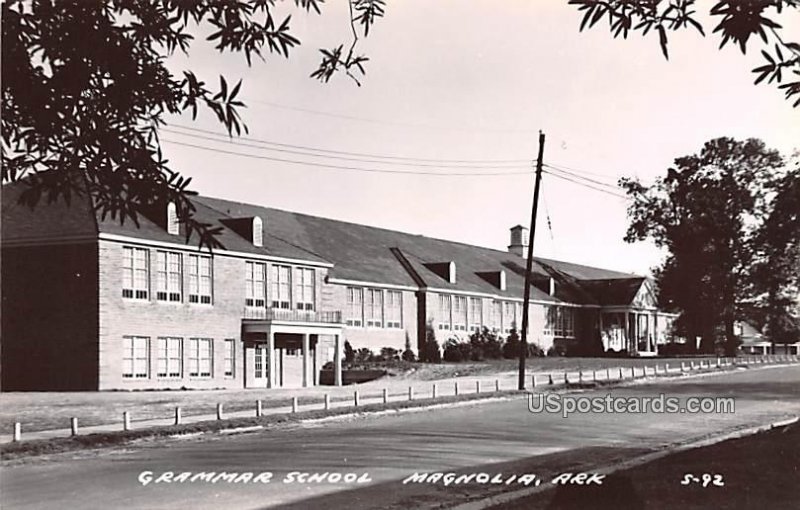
{"x": 497, "y": 437}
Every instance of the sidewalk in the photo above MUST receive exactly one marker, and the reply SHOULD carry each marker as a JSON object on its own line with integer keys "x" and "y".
{"x": 398, "y": 390}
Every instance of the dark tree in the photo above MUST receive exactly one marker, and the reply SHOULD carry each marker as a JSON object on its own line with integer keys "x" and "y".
{"x": 85, "y": 88}
{"x": 738, "y": 21}
{"x": 707, "y": 212}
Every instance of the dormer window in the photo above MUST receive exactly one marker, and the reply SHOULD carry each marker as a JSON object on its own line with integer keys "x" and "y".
{"x": 451, "y": 272}
{"x": 258, "y": 232}
{"x": 172, "y": 219}
{"x": 445, "y": 270}
{"x": 502, "y": 280}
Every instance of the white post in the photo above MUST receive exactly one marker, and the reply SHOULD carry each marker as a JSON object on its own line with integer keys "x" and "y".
{"x": 306, "y": 347}
{"x": 272, "y": 379}
{"x": 294, "y": 404}
{"x": 73, "y": 425}
{"x": 17, "y": 432}
{"x": 327, "y": 401}
{"x": 219, "y": 411}
{"x": 608, "y": 374}
{"x": 355, "y": 398}
{"x": 497, "y": 383}
{"x": 477, "y": 386}
{"x": 259, "y": 409}
{"x": 410, "y": 393}
{"x": 177, "y": 416}
{"x": 385, "y": 395}
{"x": 433, "y": 391}
{"x": 594, "y": 375}
{"x": 126, "y": 421}
{"x": 337, "y": 361}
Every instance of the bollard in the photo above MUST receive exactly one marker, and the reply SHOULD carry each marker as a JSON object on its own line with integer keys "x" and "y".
{"x": 73, "y": 425}
{"x": 385, "y": 395}
{"x": 17, "y": 432}
{"x": 621, "y": 375}
{"x": 533, "y": 380}
{"x": 683, "y": 367}
{"x": 477, "y": 387}
{"x": 497, "y": 383}
{"x": 327, "y": 401}
{"x": 177, "y": 416}
{"x": 633, "y": 372}
{"x": 433, "y": 390}
{"x": 456, "y": 388}
{"x": 566, "y": 378}
{"x": 294, "y": 404}
{"x": 126, "y": 421}
{"x": 608, "y": 374}
{"x": 550, "y": 378}
{"x": 580, "y": 376}
{"x": 410, "y": 393}
{"x": 594, "y": 375}
{"x": 666, "y": 368}
{"x": 355, "y": 398}
{"x": 219, "y": 411}
{"x": 259, "y": 409}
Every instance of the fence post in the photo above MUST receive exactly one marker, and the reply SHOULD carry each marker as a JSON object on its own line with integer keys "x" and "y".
{"x": 633, "y": 372}
{"x": 566, "y": 378}
{"x": 455, "y": 387}
{"x": 73, "y": 425}
{"x": 433, "y": 390}
{"x": 219, "y": 411}
{"x": 327, "y": 402}
{"x": 259, "y": 409}
{"x": 550, "y": 379}
{"x": 621, "y": 375}
{"x": 17, "y": 431}
{"x": 385, "y": 395}
{"x": 533, "y": 382}
{"x": 477, "y": 386}
{"x": 594, "y": 375}
{"x": 177, "y": 416}
{"x": 497, "y": 383}
{"x": 608, "y": 374}
{"x": 580, "y": 376}
{"x": 126, "y": 421}
{"x": 410, "y": 393}
{"x": 666, "y": 368}
{"x": 355, "y": 398}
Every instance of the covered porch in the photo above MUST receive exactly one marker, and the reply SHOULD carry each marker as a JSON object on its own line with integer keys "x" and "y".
{"x": 637, "y": 331}
{"x": 288, "y": 348}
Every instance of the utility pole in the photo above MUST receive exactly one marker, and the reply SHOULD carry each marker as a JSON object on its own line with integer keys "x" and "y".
{"x": 523, "y": 348}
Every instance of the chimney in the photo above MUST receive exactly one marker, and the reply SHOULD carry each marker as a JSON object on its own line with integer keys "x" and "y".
{"x": 519, "y": 241}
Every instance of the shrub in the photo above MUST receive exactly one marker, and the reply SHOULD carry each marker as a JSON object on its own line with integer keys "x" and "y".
{"x": 430, "y": 349}
{"x": 364, "y": 355}
{"x": 455, "y": 351}
{"x": 408, "y": 355}
{"x": 389, "y": 354}
{"x": 349, "y": 353}
{"x": 485, "y": 344}
{"x": 511, "y": 347}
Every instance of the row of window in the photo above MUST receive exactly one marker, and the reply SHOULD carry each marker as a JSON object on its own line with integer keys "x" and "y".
{"x": 460, "y": 313}
{"x": 169, "y": 284}
{"x": 374, "y": 308}
{"x": 174, "y": 357}
{"x": 280, "y": 286}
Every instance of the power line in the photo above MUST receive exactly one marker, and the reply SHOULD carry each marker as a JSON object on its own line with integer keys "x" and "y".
{"x": 344, "y": 158}
{"x": 386, "y": 122}
{"x": 601, "y": 190}
{"x": 576, "y": 170}
{"x": 587, "y": 179}
{"x": 339, "y": 167}
{"x": 357, "y": 154}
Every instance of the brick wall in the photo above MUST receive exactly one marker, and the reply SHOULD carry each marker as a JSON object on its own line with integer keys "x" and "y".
{"x": 49, "y": 317}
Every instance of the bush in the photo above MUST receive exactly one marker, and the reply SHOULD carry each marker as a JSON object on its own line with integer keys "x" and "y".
{"x": 452, "y": 350}
{"x": 408, "y": 355}
{"x": 511, "y": 347}
{"x": 349, "y": 353}
{"x": 389, "y": 354}
{"x": 430, "y": 349}
{"x": 485, "y": 344}
{"x": 363, "y": 355}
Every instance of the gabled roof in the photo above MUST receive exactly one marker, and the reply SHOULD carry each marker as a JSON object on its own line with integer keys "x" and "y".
{"x": 619, "y": 292}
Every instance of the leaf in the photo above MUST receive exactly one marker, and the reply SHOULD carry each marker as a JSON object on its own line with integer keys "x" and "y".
{"x": 662, "y": 39}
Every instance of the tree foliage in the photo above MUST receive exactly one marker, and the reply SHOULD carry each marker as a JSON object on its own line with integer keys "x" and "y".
{"x": 738, "y": 21}
{"x": 708, "y": 213}
{"x": 85, "y": 88}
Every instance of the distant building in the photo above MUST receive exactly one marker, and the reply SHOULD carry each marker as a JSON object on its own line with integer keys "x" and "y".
{"x": 89, "y": 304}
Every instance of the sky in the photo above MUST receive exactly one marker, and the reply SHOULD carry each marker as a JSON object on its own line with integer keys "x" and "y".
{"x": 477, "y": 80}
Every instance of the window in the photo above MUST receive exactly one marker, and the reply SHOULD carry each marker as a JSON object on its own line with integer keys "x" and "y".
{"x": 559, "y": 321}
{"x": 135, "y": 273}
{"x": 255, "y": 284}
{"x": 373, "y": 308}
{"x": 135, "y": 357}
{"x": 497, "y": 315}
{"x": 355, "y": 308}
{"x": 230, "y": 356}
{"x": 201, "y": 357}
{"x": 200, "y": 279}
{"x": 170, "y": 358}
{"x": 172, "y": 219}
{"x": 509, "y": 317}
{"x": 258, "y": 373}
{"x": 475, "y": 314}
{"x": 444, "y": 312}
{"x": 281, "y": 287}
{"x": 169, "y": 276}
{"x": 394, "y": 309}
{"x": 460, "y": 313}
{"x": 304, "y": 288}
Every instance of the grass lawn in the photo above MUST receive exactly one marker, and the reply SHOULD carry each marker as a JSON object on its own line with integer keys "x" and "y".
{"x": 758, "y": 471}
{"x": 49, "y": 410}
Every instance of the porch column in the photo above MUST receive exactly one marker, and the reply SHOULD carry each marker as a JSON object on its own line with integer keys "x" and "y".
{"x": 305, "y": 360}
{"x": 337, "y": 361}
{"x": 628, "y": 332}
{"x": 271, "y": 379}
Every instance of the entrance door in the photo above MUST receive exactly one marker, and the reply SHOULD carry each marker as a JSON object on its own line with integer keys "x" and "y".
{"x": 261, "y": 370}
{"x": 292, "y": 367}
